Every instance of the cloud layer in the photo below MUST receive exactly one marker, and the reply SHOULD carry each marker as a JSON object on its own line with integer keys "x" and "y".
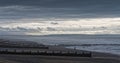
{"x": 59, "y": 17}
{"x": 20, "y": 9}
{"x": 82, "y": 26}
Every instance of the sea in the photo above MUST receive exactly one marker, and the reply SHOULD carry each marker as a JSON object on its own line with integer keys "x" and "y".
{"x": 97, "y": 43}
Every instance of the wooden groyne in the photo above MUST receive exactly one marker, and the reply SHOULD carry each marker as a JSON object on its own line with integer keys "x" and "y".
{"x": 47, "y": 53}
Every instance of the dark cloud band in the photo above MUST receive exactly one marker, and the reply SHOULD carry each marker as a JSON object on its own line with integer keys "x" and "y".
{"x": 20, "y": 9}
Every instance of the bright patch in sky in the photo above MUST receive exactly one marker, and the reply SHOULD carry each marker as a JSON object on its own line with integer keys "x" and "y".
{"x": 73, "y": 26}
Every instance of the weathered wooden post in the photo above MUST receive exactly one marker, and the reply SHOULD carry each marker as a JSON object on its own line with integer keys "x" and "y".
{"x": 22, "y": 52}
{"x": 6, "y": 51}
{"x": 14, "y": 50}
{"x": 37, "y": 51}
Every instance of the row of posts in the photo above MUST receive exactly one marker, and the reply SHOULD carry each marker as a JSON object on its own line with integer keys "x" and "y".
{"x": 50, "y": 53}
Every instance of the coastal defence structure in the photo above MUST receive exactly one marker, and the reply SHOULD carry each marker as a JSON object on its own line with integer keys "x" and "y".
{"x": 47, "y": 53}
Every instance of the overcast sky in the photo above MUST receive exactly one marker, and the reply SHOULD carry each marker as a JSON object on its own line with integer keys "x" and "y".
{"x": 37, "y": 17}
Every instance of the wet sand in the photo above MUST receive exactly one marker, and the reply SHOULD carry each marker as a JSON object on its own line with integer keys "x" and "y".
{"x": 96, "y": 58}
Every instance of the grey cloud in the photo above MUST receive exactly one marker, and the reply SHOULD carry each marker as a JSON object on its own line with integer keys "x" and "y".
{"x": 31, "y": 12}
{"x": 59, "y": 3}
{"x": 20, "y": 9}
